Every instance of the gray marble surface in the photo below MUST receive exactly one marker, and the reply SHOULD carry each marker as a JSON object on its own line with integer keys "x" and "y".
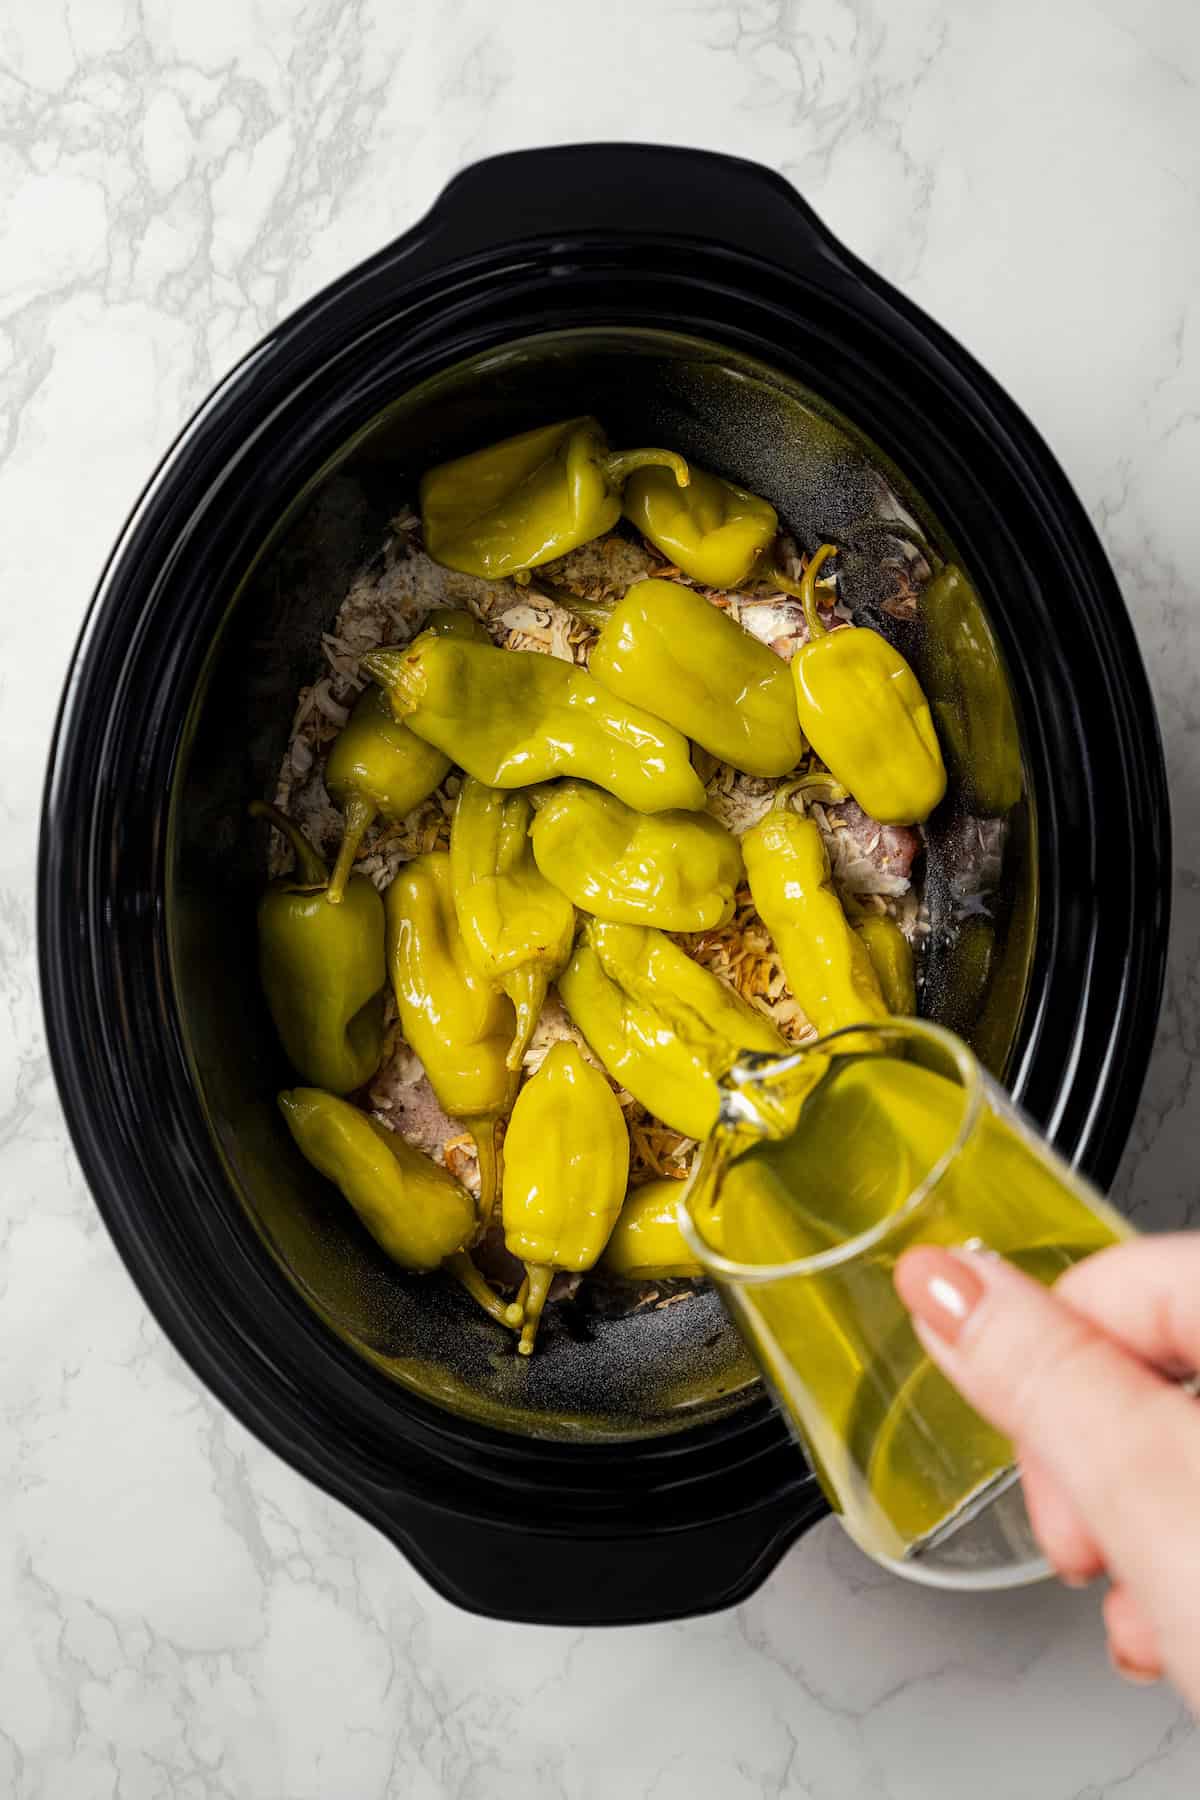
{"x": 180, "y": 1615}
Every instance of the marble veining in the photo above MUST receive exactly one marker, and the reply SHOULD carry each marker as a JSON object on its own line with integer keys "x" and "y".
{"x": 180, "y": 1615}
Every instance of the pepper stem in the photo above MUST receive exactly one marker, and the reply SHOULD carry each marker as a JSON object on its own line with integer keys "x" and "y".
{"x": 527, "y": 988}
{"x": 771, "y": 575}
{"x": 619, "y": 465}
{"x": 393, "y": 668}
{"x": 484, "y": 1133}
{"x": 808, "y": 591}
{"x": 310, "y": 868}
{"x": 464, "y": 1271}
{"x": 359, "y": 813}
{"x": 540, "y": 1277}
{"x": 595, "y": 613}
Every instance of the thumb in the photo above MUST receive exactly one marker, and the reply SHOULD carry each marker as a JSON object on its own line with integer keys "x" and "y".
{"x": 1122, "y": 1443}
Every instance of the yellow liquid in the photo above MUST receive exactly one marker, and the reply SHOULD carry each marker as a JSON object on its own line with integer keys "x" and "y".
{"x": 898, "y": 1451}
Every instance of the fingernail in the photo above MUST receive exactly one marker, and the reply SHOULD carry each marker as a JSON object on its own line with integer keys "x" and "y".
{"x": 1076, "y": 1581}
{"x": 1134, "y": 1672}
{"x": 939, "y": 1289}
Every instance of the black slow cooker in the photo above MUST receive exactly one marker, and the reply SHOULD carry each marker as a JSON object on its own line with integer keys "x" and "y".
{"x": 635, "y": 1470}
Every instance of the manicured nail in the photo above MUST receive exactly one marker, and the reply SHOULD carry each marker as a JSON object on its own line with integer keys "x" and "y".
{"x": 939, "y": 1289}
{"x": 1133, "y": 1672}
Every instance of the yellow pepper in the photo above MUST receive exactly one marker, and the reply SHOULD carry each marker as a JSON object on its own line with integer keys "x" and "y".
{"x": 515, "y": 717}
{"x": 323, "y": 972}
{"x": 377, "y": 765}
{"x": 517, "y": 928}
{"x": 566, "y": 1162}
{"x": 969, "y": 963}
{"x": 863, "y": 711}
{"x": 667, "y": 648}
{"x": 712, "y": 530}
{"x": 663, "y": 1026}
{"x": 826, "y": 962}
{"x": 892, "y": 959}
{"x": 676, "y": 870}
{"x": 971, "y": 699}
{"x": 460, "y": 1026}
{"x": 414, "y": 1210}
{"x": 646, "y": 1243}
{"x": 530, "y": 498}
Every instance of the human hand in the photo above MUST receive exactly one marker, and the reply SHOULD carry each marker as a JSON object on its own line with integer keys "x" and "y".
{"x": 1084, "y": 1380}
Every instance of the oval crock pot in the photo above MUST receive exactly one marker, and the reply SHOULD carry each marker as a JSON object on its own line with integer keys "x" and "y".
{"x": 178, "y": 700}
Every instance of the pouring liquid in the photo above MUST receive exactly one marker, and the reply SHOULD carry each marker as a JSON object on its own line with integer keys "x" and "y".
{"x": 899, "y": 1453}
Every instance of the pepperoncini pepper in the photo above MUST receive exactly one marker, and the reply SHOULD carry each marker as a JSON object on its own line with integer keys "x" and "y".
{"x": 676, "y": 870}
{"x": 566, "y": 1162}
{"x": 414, "y": 1210}
{"x": 517, "y": 928}
{"x": 970, "y": 695}
{"x": 713, "y": 530}
{"x": 460, "y": 1026}
{"x": 667, "y": 648}
{"x": 827, "y": 964}
{"x": 863, "y": 711}
{"x": 530, "y": 498}
{"x": 662, "y": 1025}
{"x": 892, "y": 959}
{"x": 323, "y": 971}
{"x": 377, "y": 765}
{"x": 966, "y": 974}
{"x": 646, "y": 1242}
{"x": 512, "y": 718}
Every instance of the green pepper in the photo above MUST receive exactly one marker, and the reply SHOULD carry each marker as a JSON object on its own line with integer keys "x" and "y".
{"x": 970, "y": 694}
{"x": 323, "y": 971}
{"x": 566, "y": 1162}
{"x": 459, "y": 1024}
{"x": 517, "y": 928}
{"x": 414, "y": 1210}
{"x": 663, "y": 1026}
{"x": 826, "y": 963}
{"x": 512, "y": 718}
{"x": 892, "y": 959}
{"x": 646, "y": 1242}
{"x": 377, "y": 765}
{"x": 667, "y": 648}
{"x": 865, "y": 715}
{"x": 713, "y": 531}
{"x": 676, "y": 870}
{"x": 530, "y": 498}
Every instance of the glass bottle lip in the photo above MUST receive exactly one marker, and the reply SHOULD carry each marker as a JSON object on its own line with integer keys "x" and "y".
{"x": 971, "y": 1076}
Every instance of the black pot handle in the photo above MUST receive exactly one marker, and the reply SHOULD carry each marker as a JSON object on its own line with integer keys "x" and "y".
{"x": 634, "y": 190}
{"x": 535, "y": 1577}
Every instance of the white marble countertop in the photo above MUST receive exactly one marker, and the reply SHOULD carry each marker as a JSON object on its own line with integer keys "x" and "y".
{"x": 180, "y": 1614}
